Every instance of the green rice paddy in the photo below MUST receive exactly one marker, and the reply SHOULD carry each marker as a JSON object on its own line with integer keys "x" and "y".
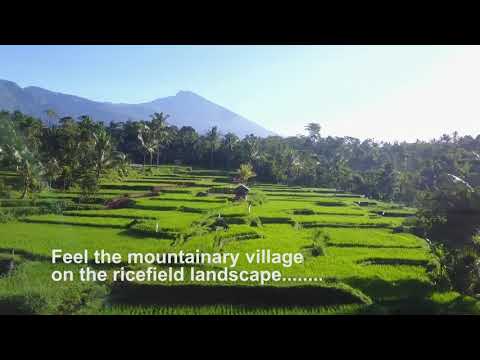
{"x": 368, "y": 267}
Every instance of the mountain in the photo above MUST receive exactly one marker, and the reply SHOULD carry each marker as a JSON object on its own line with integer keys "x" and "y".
{"x": 185, "y": 109}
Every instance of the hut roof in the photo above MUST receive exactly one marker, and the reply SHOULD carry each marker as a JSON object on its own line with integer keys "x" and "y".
{"x": 242, "y": 187}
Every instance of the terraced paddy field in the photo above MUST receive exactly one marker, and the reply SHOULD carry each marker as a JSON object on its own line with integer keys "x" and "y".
{"x": 371, "y": 264}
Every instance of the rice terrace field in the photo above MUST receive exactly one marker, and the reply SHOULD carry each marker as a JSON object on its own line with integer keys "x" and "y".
{"x": 359, "y": 250}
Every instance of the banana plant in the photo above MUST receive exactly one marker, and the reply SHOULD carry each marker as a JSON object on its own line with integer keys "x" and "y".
{"x": 245, "y": 172}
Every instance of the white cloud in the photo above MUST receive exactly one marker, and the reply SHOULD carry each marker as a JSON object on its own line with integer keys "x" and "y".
{"x": 445, "y": 99}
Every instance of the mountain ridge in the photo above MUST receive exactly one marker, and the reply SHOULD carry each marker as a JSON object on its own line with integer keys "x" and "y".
{"x": 185, "y": 108}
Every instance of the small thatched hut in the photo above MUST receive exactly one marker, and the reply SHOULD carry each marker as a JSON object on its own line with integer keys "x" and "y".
{"x": 241, "y": 192}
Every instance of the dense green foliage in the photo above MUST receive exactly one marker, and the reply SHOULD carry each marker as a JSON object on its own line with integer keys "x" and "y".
{"x": 399, "y": 171}
{"x": 340, "y": 201}
{"x": 81, "y": 150}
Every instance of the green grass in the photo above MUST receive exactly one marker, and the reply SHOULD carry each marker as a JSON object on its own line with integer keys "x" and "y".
{"x": 362, "y": 251}
{"x": 31, "y": 291}
{"x": 230, "y": 310}
{"x": 166, "y": 218}
{"x": 78, "y": 220}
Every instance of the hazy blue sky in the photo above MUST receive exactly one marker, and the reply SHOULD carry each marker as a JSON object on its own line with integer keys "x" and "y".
{"x": 381, "y": 92}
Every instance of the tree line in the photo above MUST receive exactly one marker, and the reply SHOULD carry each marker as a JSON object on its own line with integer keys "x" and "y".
{"x": 440, "y": 177}
{"x": 75, "y": 150}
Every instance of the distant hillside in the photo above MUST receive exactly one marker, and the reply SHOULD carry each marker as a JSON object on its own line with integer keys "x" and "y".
{"x": 185, "y": 109}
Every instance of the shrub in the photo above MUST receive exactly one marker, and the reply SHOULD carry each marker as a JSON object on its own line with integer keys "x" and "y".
{"x": 458, "y": 269}
{"x": 236, "y": 220}
{"x": 53, "y": 202}
{"x": 120, "y": 203}
{"x": 398, "y": 229}
{"x": 28, "y": 304}
{"x": 88, "y": 185}
{"x": 218, "y": 222}
{"x": 5, "y": 190}
{"x": 254, "y": 221}
{"x": 32, "y": 295}
{"x": 257, "y": 197}
{"x": 42, "y": 207}
{"x": 6, "y": 217}
{"x": 24, "y": 211}
{"x": 438, "y": 274}
{"x": 82, "y": 300}
{"x": 189, "y": 209}
{"x": 57, "y": 207}
{"x": 91, "y": 200}
{"x": 151, "y": 228}
{"x": 320, "y": 240}
{"x": 132, "y": 223}
{"x": 16, "y": 202}
{"x": 85, "y": 207}
{"x": 464, "y": 271}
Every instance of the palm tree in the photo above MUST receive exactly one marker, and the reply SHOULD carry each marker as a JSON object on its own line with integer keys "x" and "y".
{"x": 188, "y": 138}
{"x": 148, "y": 142}
{"x": 28, "y": 169}
{"x": 87, "y": 128}
{"x": 30, "y": 172}
{"x": 121, "y": 161}
{"x": 252, "y": 147}
{"x": 102, "y": 150}
{"x": 212, "y": 138}
{"x": 292, "y": 163}
{"x": 67, "y": 175}
{"x": 159, "y": 129}
{"x": 445, "y": 138}
{"x": 51, "y": 114}
{"x": 229, "y": 142}
{"x": 52, "y": 171}
{"x": 313, "y": 131}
